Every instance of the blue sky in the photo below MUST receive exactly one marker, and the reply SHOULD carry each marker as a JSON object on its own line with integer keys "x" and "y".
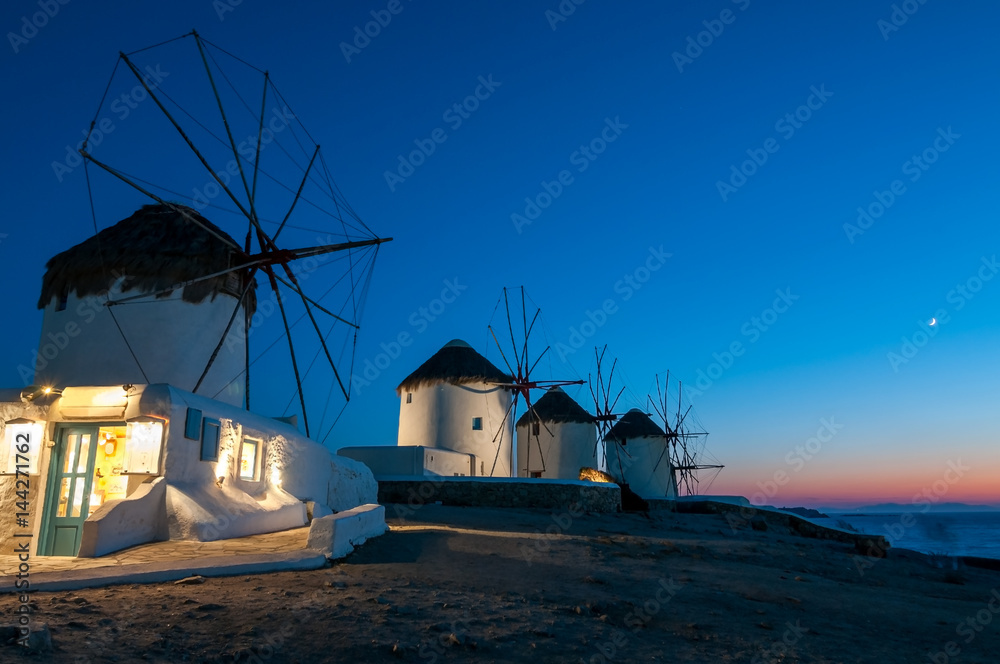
{"x": 886, "y": 96}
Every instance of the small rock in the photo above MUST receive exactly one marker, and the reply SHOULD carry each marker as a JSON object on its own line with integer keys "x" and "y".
{"x": 39, "y": 637}
{"x": 189, "y": 581}
{"x": 454, "y": 639}
{"x": 209, "y": 607}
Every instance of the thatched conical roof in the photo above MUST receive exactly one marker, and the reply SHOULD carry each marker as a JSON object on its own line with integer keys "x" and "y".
{"x": 155, "y": 248}
{"x": 556, "y": 406}
{"x": 633, "y": 424}
{"x": 457, "y": 363}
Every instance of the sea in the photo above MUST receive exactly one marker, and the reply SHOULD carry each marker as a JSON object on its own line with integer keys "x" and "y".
{"x": 942, "y": 533}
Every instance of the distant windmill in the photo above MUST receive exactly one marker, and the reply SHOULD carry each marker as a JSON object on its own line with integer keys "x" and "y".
{"x": 683, "y": 449}
{"x": 520, "y": 367}
{"x": 601, "y": 391}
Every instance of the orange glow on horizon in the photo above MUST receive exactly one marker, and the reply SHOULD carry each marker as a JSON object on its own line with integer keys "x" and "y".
{"x": 977, "y": 487}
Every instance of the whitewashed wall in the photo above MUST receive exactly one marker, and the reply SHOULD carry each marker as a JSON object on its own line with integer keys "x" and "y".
{"x": 639, "y": 474}
{"x": 441, "y": 415}
{"x": 568, "y": 448}
{"x": 171, "y": 338}
{"x": 188, "y": 502}
{"x": 412, "y": 460}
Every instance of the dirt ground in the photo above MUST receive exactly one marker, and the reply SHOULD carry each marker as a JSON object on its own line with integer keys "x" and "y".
{"x": 472, "y": 584}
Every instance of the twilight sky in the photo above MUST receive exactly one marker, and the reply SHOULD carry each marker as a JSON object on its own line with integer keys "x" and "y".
{"x": 771, "y": 200}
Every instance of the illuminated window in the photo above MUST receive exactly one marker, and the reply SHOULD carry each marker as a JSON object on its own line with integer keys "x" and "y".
{"x": 477, "y": 424}
{"x": 249, "y": 460}
{"x": 143, "y": 440}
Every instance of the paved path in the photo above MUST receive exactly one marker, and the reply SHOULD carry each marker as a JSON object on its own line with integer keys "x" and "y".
{"x": 168, "y": 561}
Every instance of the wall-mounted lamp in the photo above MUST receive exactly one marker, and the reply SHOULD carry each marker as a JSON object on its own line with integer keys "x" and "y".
{"x": 33, "y": 392}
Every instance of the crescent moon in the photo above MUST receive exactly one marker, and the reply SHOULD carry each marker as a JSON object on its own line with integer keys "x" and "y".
{"x": 933, "y": 321}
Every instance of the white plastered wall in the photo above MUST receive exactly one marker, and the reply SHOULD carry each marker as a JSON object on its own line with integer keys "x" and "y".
{"x": 645, "y": 454}
{"x": 566, "y": 447}
{"x": 172, "y": 340}
{"x": 441, "y": 415}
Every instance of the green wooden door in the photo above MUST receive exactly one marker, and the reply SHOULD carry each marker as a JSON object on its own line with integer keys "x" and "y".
{"x": 68, "y": 501}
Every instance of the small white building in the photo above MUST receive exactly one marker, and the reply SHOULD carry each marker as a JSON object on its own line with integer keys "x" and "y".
{"x": 109, "y": 448}
{"x": 556, "y": 438}
{"x": 643, "y": 460}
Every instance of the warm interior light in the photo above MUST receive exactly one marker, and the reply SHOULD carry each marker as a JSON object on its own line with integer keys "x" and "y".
{"x": 222, "y": 466}
{"x": 142, "y": 446}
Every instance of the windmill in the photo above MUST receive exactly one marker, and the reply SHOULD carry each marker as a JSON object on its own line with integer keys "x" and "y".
{"x": 683, "y": 449}
{"x": 601, "y": 392}
{"x": 520, "y": 370}
{"x": 200, "y": 137}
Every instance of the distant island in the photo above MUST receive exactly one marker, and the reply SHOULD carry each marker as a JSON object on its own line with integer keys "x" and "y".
{"x": 898, "y": 508}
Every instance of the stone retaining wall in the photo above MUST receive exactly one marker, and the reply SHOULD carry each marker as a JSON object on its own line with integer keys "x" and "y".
{"x": 495, "y": 492}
